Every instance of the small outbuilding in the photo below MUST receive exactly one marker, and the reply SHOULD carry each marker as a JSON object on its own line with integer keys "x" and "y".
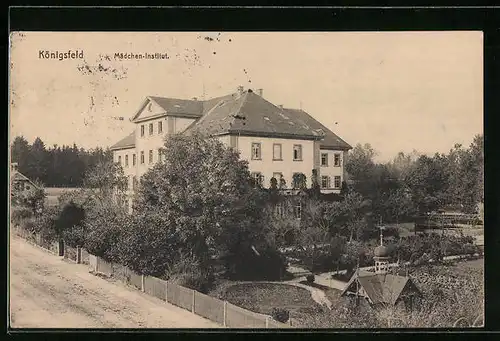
{"x": 381, "y": 288}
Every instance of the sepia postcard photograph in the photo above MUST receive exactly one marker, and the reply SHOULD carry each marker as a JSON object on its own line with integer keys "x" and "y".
{"x": 257, "y": 180}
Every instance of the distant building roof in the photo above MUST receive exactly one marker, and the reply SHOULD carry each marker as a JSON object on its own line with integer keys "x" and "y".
{"x": 125, "y": 143}
{"x": 380, "y": 288}
{"x": 16, "y": 176}
{"x": 246, "y": 114}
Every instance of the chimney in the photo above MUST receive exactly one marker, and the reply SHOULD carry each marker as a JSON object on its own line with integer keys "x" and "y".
{"x": 280, "y": 106}
{"x": 260, "y": 92}
{"x": 240, "y": 89}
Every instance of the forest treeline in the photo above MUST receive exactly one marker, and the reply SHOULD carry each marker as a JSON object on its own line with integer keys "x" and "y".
{"x": 56, "y": 166}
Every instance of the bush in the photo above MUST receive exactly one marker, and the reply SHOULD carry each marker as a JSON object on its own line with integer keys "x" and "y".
{"x": 310, "y": 278}
{"x": 69, "y": 224}
{"x": 197, "y": 280}
{"x": 245, "y": 264}
{"x": 103, "y": 236}
{"x": 19, "y": 214}
{"x": 45, "y": 225}
{"x": 187, "y": 271}
{"x": 280, "y": 315}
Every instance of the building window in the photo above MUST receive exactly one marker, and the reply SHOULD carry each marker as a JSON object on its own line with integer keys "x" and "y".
{"x": 142, "y": 157}
{"x": 324, "y": 159}
{"x": 128, "y": 183}
{"x": 134, "y": 182}
{"x": 297, "y": 210}
{"x": 325, "y": 181}
{"x": 142, "y": 130}
{"x": 159, "y": 155}
{"x": 120, "y": 160}
{"x": 336, "y": 182}
{"x": 134, "y": 160}
{"x": 151, "y": 129}
{"x": 336, "y": 160}
{"x": 258, "y": 178}
{"x": 126, "y": 160}
{"x": 256, "y": 151}
{"x": 150, "y": 156}
{"x": 277, "y": 176}
{"x": 160, "y": 127}
{"x": 277, "y": 152}
{"x": 297, "y": 152}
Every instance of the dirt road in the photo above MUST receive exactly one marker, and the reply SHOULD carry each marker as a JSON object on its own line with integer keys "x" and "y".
{"x": 47, "y": 292}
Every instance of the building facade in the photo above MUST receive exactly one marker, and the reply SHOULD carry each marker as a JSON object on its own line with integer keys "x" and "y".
{"x": 277, "y": 142}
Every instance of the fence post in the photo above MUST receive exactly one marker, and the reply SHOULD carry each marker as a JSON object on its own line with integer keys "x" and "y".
{"x": 267, "y": 321}
{"x": 78, "y": 255}
{"x": 61, "y": 248}
{"x": 142, "y": 283}
{"x": 166, "y": 291}
{"x": 225, "y": 313}
{"x": 192, "y": 309}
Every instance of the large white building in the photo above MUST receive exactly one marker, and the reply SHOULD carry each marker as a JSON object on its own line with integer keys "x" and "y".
{"x": 277, "y": 142}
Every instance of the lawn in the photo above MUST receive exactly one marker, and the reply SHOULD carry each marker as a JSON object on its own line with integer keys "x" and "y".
{"x": 263, "y": 297}
{"x": 462, "y": 277}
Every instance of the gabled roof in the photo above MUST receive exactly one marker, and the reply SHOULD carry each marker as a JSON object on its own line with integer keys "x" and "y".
{"x": 330, "y": 140}
{"x": 380, "y": 288}
{"x": 17, "y": 176}
{"x": 179, "y": 106}
{"x": 125, "y": 143}
{"x": 250, "y": 114}
{"x": 245, "y": 114}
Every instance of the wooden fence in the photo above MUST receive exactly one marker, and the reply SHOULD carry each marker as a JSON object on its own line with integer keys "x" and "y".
{"x": 221, "y": 312}
{"x": 216, "y": 310}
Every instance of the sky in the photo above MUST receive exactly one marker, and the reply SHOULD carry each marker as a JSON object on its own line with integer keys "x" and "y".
{"x": 398, "y": 91}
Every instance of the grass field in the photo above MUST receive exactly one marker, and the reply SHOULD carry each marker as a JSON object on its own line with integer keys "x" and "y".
{"x": 57, "y": 191}
{"x": 263, "y": 297}
{"x": 53, "y": 194}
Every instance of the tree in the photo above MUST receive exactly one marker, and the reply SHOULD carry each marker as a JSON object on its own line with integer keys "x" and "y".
{"x": 427, "y": 181}
{"x": 315, "y": 186}
{"x": 37, "y": 161}
{"x": 348, "y": 216}
{"x": 399, "y": 205}
{"x": 204, "y": 190}
{"x": 20, "y": 150}
{"x": 104, "y": 218}
{"x": 70, "y": 224}
{"x": 33, "y": 199}
{"x": 299, "y": 181}
{"x": 105, "y": 181}
{"x": 314, "y": 232}
{"x": 359, "y": 166}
